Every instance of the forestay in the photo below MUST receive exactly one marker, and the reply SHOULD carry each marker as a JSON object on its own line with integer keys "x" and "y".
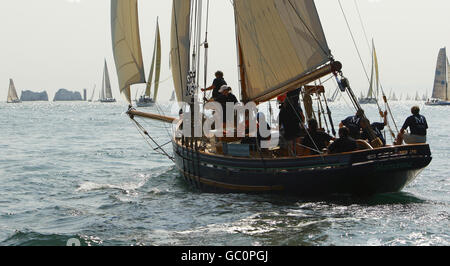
{"x": 281, "y": 41}
{"x": 127, "y": 45}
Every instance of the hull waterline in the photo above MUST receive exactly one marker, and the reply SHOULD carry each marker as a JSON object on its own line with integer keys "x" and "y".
{"x": 385, "y": 170}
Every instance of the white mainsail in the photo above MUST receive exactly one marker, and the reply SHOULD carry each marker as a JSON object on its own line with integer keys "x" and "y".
{"x": 180, "y": 47}
{"x": 156, "y": 66}
{"x": 107, "y": 88}
{"x": 127, "y": 45}
{"x": 280, "y": 41}
{"x": 12, "y": 93}
{"x": 441, "y": 79}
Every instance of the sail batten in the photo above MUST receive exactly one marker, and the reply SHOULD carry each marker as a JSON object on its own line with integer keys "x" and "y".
{"x": 127, "y": 45}
{"x": 281, "y": 41}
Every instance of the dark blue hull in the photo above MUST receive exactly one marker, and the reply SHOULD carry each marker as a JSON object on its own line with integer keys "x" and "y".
{"x": 361, "y": 173}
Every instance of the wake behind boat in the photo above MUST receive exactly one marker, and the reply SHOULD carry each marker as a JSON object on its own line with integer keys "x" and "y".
{"x": 441, "y": 89}
{"x": 214, "y": 162}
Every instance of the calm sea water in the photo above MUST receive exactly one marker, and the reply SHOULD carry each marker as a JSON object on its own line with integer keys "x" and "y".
{"x": 79, "y": 170}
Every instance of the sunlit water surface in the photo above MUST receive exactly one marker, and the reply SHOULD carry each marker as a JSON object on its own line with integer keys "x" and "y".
{"x": 79, "y": 170}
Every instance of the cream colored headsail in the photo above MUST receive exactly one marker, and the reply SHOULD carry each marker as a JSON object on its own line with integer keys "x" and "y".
{"x": 180, "y": 47}
{"x": 440, "y": 81}
{"x": 374, "y": 84}
{"x": 126, "y": 44}
{"x": 281, "y": 41}
{"x": 12, "y": 93}
{"x": 156, "y": 66}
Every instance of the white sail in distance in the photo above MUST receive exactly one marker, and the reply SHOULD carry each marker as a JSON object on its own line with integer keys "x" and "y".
{"x": 441, "y": 80}
{"x": 280, "y": 41}
{"x": 12, "y": 93}
{"x": 155, "y": 67}
{"x": 127, "y": 45}
{"x": 375, "y": 77}
{"x": 107, "y": 84}
{"x": 180, "y": 47}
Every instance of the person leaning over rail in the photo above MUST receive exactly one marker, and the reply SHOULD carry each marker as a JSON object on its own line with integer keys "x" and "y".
{"x": 418, "y": 126}
{"x": 344, "y": 144}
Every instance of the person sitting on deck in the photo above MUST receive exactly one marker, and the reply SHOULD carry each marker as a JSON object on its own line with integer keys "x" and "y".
{"x": 353, "y": 123}
{"x": 418, "y": 125}
{"x": 262, "y": 123}
{"x": 344, "y": 144}
{"x": 316, "y": 140}
{"x": 377, "y": 129}
{"x": 217, "y": 84}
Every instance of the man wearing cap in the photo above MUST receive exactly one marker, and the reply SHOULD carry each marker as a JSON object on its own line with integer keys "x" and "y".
{"x": 217, "y": 85}
{"x": 225, "y": 96}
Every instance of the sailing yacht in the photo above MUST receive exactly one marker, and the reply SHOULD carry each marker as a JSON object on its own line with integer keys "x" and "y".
{"x": 226, "y": 163}
{"x": 12, "y": 93}
{"x": 417, "y": 98}
{"x": 93, "y": 94}
{"x": 106, "y": 92}
{"x": 374, "y": 81}
{"x": 146, "y": 100}
{"x": 441, "y": 90}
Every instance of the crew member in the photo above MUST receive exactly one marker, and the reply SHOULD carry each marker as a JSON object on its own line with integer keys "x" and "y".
{"x": 218, "y": 82}
{"x": 316, "y": 139}
{"x": 353, "y": 124}
{"x": 344, "y": 144}
{"x": 377, "y": 129}
{"x": 418, "y": 126}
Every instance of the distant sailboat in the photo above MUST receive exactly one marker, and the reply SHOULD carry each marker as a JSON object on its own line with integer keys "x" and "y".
{"x": 394, "y": 97}
{"x": 93, "y": 93}
{"x": 441, "y": 82}
{"x": 12, "y": 93}
{"x": 417, "y": 98}
{"x": 374, "y": 80}
{"x": 106, "y": 92}
{"x": 146, "y": 100}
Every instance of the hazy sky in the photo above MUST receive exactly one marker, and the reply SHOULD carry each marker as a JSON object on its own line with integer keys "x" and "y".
{"x": 52, "y": 44}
